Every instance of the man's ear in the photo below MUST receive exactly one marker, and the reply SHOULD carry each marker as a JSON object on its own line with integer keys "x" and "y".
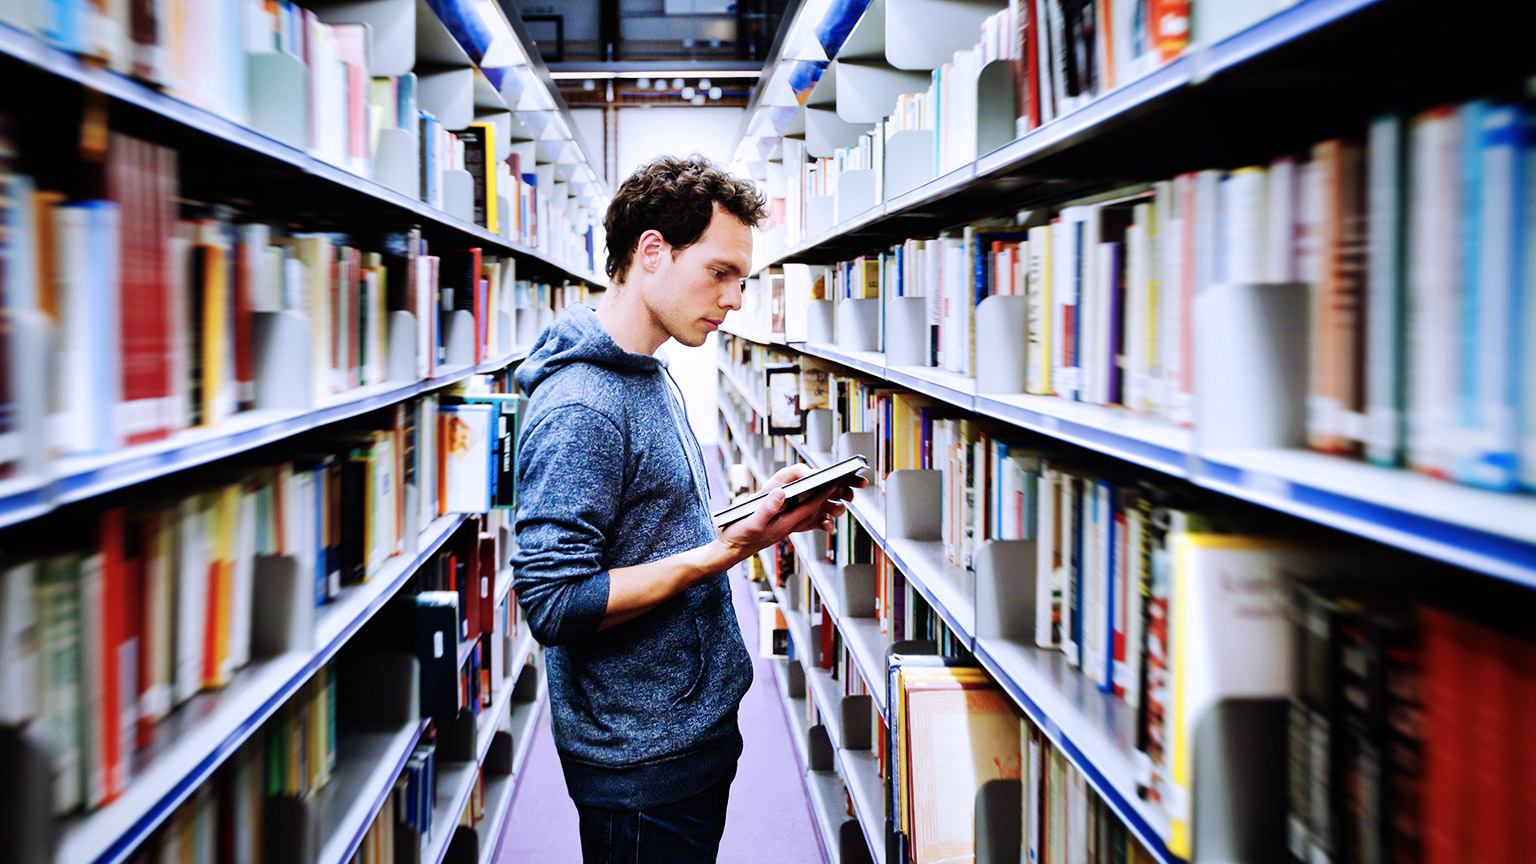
{"x": 650, "y": 249}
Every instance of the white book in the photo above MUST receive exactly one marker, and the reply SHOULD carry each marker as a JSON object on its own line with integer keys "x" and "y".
{"x": 1077, "y": 817}
{"x": 1244, "y": 208}
{"x": 74, "y": 420}
{"x": 254, "y": 260}
{"x": 1094, "y": 603}
{"x": 1138, "y": 313}
{"x": 1167, "y": 248}
{"x": 191, "y": 598}
{"x": 1031, "y": 797}
{"x": 19, "y": 630}
{"x": 1047, "y": 551}
{"x": 1066, "y": 270}
{"x": 1038, "y": 372}
{"x": 1280, "y": 221}
{"x": 1433, "y": 287}
{"x": 1233, "y": 639}
{"x": 427, "y": 448}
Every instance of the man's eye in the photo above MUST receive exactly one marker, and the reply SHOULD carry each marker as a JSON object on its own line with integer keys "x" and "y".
{"x": 719, "y": 274}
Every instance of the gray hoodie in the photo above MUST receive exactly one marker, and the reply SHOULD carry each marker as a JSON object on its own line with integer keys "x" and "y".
{"x": 609, "y": 475}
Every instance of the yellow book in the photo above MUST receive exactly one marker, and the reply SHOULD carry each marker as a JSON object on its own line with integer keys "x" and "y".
{"x": 215, "y": 331}
{"x": 488, "y": 133}
{"x": 1232, "y": 639}
{"x": 317, "y": 255}
{"x": 221, "y": 560}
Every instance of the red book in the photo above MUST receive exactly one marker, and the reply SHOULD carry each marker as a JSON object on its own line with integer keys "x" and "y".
{"x": 1524, "y": 762}
{"x": 1445, "y": 786}
{"x": 488, "y": 576}
{"x": 826, "y": 638}
{"x": 138, "y": 546}
{"x": 471, "y": 592}
{"x": 482, "y": 318}
{"x": 118, "y": 717}
{"x": 245, "y": 366}
{"x": 1489, "y": 690}
{"x": 131, "y": 183}
{"x": 1031, "y": 93}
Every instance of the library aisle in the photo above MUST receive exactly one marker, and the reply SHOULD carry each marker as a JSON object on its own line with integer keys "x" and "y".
{"x": 542, "y": 826}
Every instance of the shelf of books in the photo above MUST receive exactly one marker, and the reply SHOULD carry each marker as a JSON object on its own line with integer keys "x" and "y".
{"x": 393, "y": 102}
{"x": 1198, "y": 462}
{"x": 255, "y": 447}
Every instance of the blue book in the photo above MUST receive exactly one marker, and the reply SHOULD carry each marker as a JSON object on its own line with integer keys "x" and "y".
{"x": 1492, "y": 314}
{"x": 429, "y": 192}
{"x": 406, "y": 111}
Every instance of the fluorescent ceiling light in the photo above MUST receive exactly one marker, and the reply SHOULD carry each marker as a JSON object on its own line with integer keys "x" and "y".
{"x": 646, "y": 76}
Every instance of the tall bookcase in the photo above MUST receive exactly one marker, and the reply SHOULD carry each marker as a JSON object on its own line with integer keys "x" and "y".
{"x": 470, "y": 62}
{"x": 1256, "y": 81}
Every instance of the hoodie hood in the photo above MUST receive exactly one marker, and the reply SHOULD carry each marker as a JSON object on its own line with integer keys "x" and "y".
{"x": 577, "y": 336}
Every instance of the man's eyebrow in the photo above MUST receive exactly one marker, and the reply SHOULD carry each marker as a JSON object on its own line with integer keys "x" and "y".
{"x": 728, "y": 266}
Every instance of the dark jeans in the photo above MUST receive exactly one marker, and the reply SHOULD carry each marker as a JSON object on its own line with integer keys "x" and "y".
{"x": 687, "y": 832}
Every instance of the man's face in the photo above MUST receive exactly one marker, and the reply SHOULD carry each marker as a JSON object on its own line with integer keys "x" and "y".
{"x": 690, "y": 293}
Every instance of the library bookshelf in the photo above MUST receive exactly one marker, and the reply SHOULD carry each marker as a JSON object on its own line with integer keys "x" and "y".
{"x": 252, "y": 154}
{"x": 1249, "y": 87}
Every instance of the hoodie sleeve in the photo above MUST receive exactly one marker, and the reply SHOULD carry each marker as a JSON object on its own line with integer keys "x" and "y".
{"x": 570, "y": 477}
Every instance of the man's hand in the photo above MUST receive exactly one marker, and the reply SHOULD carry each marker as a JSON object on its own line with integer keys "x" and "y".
{"x": 774, "y": 520}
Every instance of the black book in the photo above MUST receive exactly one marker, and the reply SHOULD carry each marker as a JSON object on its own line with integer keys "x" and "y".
{"x": 437, "y": 651}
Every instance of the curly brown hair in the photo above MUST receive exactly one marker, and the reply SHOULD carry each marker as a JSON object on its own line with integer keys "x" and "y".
{"x": 676, "y": 196}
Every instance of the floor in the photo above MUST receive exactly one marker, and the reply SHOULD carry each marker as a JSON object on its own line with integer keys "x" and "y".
{"x": 768, "y": 807}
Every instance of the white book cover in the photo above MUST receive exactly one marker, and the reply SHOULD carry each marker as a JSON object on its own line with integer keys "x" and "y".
{"x": 75, "y": 417}
{"x": 1038, "y": 371}
{"x": 385, "y": 500}
{"x": 1433, "y": 287}
{"x": 1280, "y": 221}
{"x": 1047, "y": 550}
{"x": 191, "y": 598}
{"x": 1233, "y": 639}
{"x": 1244, "y": 208}
{"x": 1065, "y": 311}
{"x": 427, "y": 460}
{"x": 1077, "y": 817}
{"x": 1093, "y": 307}
{"x": 468, "y": 438}
{"x": 19, "y": 631}
{"x": 1167, "y": 248}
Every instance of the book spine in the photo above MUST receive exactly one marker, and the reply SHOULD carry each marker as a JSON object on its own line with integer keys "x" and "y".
{"x": 1385, "y": 305}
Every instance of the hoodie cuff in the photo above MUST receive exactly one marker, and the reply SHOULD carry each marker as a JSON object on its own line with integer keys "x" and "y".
{"x": 588, "y": 605}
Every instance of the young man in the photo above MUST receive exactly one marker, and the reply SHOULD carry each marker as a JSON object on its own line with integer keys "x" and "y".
{"x": 619, "y": 569}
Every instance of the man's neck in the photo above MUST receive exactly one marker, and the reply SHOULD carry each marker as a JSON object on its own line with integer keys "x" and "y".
{"x": 628, "y": 322}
